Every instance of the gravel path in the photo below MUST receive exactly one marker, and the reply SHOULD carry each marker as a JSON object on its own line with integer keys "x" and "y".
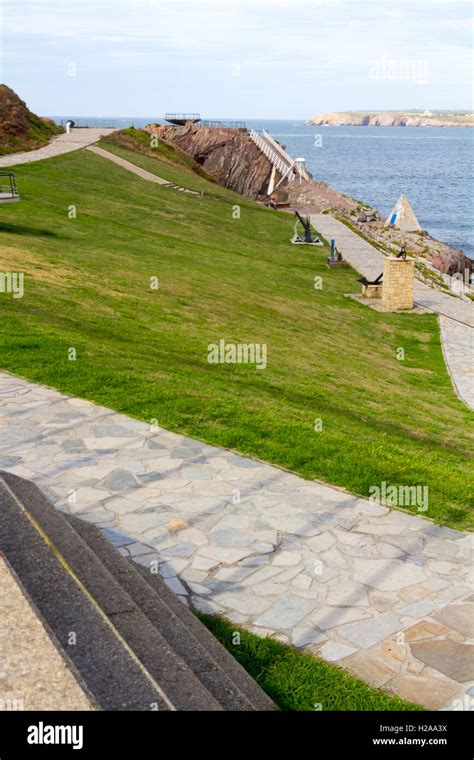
{"x": 386, "y": 594}
{"x": 456, "y": 316}
{"x": 65, "y": 143}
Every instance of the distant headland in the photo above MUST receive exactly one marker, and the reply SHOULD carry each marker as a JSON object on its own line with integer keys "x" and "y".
{"x": 395, "y": 119}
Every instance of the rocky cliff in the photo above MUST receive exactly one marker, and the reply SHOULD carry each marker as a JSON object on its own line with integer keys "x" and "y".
{"x": 228, "y": 155}
{"x": 394, "y": 119}
{"x": 234, "y": 161}
{"x": 20, "y": 129}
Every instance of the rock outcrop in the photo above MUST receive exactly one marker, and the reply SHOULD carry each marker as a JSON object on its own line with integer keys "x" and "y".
{"x": 228, "y": 155}
{"x": 314, "y": 197}
{"x": 441, "y": 256}
{"x": 234, "y": 161}
{"x": 393, "y": 119}
{"x": 20, "y": 129}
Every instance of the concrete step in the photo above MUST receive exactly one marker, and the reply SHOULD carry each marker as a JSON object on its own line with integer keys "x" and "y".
{"x": 217, "y": 670}
{"x": 173, "y": 661}
{"x": 98, "y": 658}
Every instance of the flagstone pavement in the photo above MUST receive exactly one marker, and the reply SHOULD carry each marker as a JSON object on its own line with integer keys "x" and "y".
{"x": 385, "y": 594}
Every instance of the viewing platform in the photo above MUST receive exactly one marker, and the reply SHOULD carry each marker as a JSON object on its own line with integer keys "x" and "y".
{"x": 224, "y": 124}
{"x": 180, "y": 119}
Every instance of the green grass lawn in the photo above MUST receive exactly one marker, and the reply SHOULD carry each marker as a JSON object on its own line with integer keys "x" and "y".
{"x": 144, "y": 352}
{"x": 297, "y": 680}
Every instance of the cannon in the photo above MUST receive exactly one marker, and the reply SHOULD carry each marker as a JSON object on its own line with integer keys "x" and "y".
{"x": 371, "y": 288}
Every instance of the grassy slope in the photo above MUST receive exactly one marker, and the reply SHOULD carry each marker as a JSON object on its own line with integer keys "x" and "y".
{"x": 39, "y": 134}
{"x": 20, "y": 129}
{"x": 296, "y": 680}
{"x": 171, "y": 155}
{"x": 144, "y": 352}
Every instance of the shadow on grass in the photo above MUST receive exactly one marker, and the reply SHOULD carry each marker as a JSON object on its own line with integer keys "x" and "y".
{"x": 20, "y": 229}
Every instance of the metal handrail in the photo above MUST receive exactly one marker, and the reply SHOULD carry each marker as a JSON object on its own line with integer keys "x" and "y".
{"x": 272, "y": 156}
{"x": 282, "y": 152}
{"x": 224, "y": 124}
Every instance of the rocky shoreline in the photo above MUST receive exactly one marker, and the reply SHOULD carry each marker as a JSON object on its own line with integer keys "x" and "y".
{"x": 231, "y": 158}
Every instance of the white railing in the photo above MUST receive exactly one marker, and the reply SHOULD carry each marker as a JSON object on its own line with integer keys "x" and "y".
{"x": 280, "y": 151}
{"x": 276, "y": 155}
{"x": 272, "y": 156}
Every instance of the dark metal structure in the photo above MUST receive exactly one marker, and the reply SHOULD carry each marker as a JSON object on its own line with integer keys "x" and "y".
{"x": 224, "y": 124}
{"x": 308, "y": 238}
{"x": 8, "y": 190}
{"x": 365, "y": 281}
{"x": 179, "y": 119}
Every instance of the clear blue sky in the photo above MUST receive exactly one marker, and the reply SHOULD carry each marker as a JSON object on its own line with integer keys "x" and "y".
{"x": 236, "y": 58}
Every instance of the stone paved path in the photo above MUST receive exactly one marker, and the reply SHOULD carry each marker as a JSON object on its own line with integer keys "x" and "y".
{"x": 65, "y": 143}
{"x": 457, "y": 339}
{"x": 128, "y": 165}
{"x": 142, "y": 173}
{"x": 385, "y": 594}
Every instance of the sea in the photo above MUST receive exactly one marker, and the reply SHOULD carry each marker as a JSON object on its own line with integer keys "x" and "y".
{"x": 433, "y": 166}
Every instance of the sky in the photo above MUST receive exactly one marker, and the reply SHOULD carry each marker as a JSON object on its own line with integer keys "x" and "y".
{"x": 236, "y": 58}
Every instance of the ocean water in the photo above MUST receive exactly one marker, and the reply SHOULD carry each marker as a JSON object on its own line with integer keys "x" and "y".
{"x": 433, "y": 166}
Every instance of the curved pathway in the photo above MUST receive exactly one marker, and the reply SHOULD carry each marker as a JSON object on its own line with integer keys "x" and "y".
{"x": 386, "y": 594}
{"x": 456, "y": 315}
{"x": 65, "y": 143}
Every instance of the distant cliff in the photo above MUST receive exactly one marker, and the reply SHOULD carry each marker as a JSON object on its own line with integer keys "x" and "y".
{"x": 394, "y": 119}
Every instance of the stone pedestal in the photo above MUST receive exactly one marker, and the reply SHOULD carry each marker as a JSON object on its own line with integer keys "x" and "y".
{"x": 398, "y": 282}
{"x": 372, "y": 291}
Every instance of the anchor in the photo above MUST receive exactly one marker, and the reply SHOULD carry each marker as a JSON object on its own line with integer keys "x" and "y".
{"x": 308, "y": 238}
